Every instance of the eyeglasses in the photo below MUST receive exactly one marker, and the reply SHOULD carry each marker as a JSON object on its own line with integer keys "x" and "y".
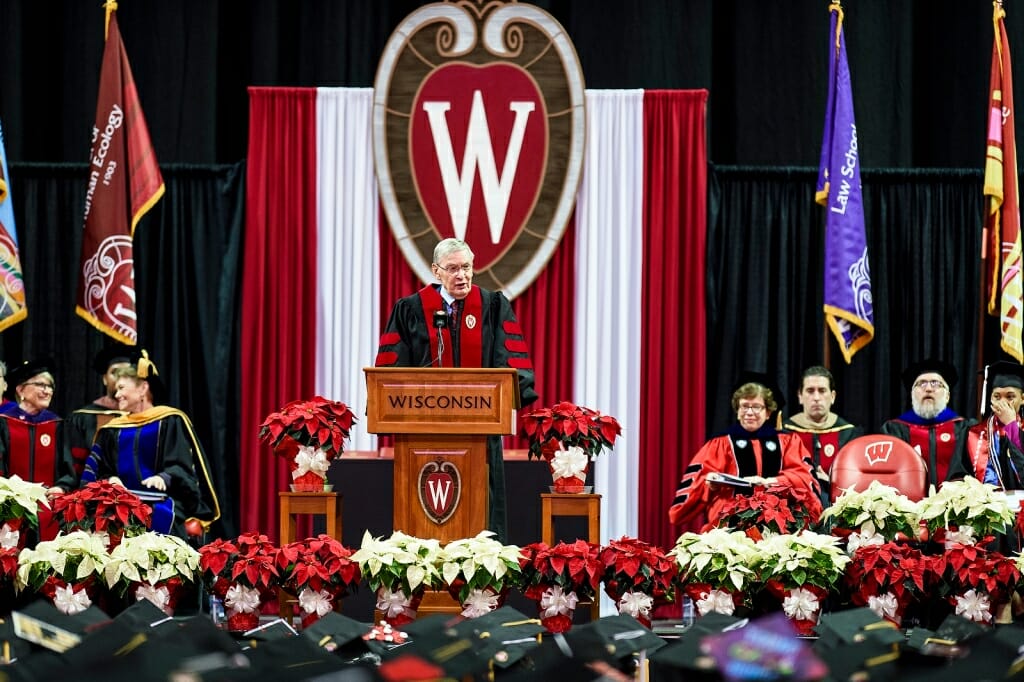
{"x": 40, "y": 385}
{"x": 930, "y": 383}
{"x": 453, "y": 270}
{"x": 754, "y": 409}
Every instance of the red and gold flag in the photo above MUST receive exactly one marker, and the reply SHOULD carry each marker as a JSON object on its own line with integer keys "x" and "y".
{"x": 124, "y": 183}
{"x": 1002, "y": 220}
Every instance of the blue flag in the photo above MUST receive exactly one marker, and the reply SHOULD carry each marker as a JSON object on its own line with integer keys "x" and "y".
{"x": 12, "y": 286}
{"x": 848, "y": 308}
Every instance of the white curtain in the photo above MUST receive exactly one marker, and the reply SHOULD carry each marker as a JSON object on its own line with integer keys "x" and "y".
{"x": 347, "y": 252}
{"x": 609, "y": 251}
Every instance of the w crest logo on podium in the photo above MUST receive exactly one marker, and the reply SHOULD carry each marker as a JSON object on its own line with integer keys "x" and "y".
{"x": 440, "y": 489}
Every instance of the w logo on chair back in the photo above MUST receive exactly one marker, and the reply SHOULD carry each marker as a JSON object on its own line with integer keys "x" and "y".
{"x": 881, "y": 458}
{"x": 878, "y": 453}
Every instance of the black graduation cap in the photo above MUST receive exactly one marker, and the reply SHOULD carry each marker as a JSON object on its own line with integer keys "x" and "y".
{"x": 929, "y": 366}
{"x": 11, "y": 646}
{"x": 41, "y": 623}
{"x": 333, "y": 631}
{"x": 503, "y": 636}
{"x": 28, "y": 369}
{"x": 750, "y": 377}
{"x": 268, "y": 632}
{"x": 434, "y": 645}
{"x": 113, "y": 354}
{"x": 620, "y": 635}
{"x": 855, "y": 625}
{"x": 989, "y": 654}
{"x": 290, "y": 658}
{"x": 1005, "y": 374}
{"x": 555, "y": 659}
{"x": 858, "y": 641}
{"x": 143, "y": 614}
{"x": 684, "y": 654}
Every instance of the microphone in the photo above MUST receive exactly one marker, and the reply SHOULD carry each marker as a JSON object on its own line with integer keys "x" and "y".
{"x": 440, "y": 322}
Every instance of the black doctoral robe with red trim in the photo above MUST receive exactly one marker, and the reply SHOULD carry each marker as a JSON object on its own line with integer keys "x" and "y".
{"x": 488, "y": 336}
{"x": 942, "y": 442}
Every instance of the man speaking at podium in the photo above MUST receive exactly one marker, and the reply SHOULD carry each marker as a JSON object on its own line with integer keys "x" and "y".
{"x": 452, "y": 323}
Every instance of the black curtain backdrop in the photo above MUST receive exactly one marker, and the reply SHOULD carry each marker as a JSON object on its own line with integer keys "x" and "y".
{"x": 920, "y": 69}
{"x": 765, "y": 260}
{"x": 920, "y": 76}
{"x": 186, "y": 277}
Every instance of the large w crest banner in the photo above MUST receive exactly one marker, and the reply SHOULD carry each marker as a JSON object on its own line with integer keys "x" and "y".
{"x": 124, "y": 183}
{"x": 1002, "y": 221}
{"x": 12, "y": 286}
{"x": 478, "y": 132}
{"x": 847, "y": 295}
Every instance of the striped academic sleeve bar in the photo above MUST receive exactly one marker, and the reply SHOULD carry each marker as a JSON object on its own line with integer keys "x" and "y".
{"x": 512, "y": 327}
{"x": 389, "y": 338}
{"x": 385, "y": 358}
{"x": 516, "y": 346}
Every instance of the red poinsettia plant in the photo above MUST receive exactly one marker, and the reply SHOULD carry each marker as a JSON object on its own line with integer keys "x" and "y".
{"x": 102, "y": 507}
{"x": 317, "y": 423}
{"x": 889, "y": 576}
{"x": 318, "y": 571}
{"x": 634, "y": 565}
{"x": 778, "y": 508}
{"x": 320, "y": 563}
{"x": 972, "y": 567}
{"x": 8, "y": 567}
{"x": 559, "y": 577}
{"x": 638, "y": 576}
{"x": 568, "y": 425}
{"x": 250, "y": 560}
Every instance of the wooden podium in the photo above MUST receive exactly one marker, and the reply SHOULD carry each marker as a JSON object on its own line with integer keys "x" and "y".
{"x": 441, "y": 419}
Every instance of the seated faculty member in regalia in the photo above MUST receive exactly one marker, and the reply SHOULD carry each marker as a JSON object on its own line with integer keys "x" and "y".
{"x": 751, "y": 449}
{"x": 937, "y": 433}
{"x": 822, "y": 431}
{"x": 154, "y": 449}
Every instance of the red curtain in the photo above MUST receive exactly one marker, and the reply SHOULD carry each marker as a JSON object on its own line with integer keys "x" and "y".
{"x": 673, "y": 331}
{"x": 278, "y": 286}
{"x": 546, "y": 311}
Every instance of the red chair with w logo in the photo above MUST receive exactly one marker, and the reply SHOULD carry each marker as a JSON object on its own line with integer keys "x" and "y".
{"x": 881, "y": 458}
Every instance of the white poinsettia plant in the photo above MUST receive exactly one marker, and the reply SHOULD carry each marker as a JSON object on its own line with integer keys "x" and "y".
{"x": 20, "y": 499}
{"x": 72, "y": 558}
{"x": 479, "y": 563}
{"x": 968, "y": 510}
{"x": 399, "y": 562}
{"x": 719, "y": 557}
{"x": 799, "y": 559}
{"x": 880, "y": 512}
{"x": 151, "y": 558}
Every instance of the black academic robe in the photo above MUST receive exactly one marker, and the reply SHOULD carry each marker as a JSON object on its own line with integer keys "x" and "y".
{"x": 824, "y": 445}
{"x": 80, "y": 429}
{"x": 942, "y": 442}
{"x": 158, "y": 441}
{"x": 488, "y": 336}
